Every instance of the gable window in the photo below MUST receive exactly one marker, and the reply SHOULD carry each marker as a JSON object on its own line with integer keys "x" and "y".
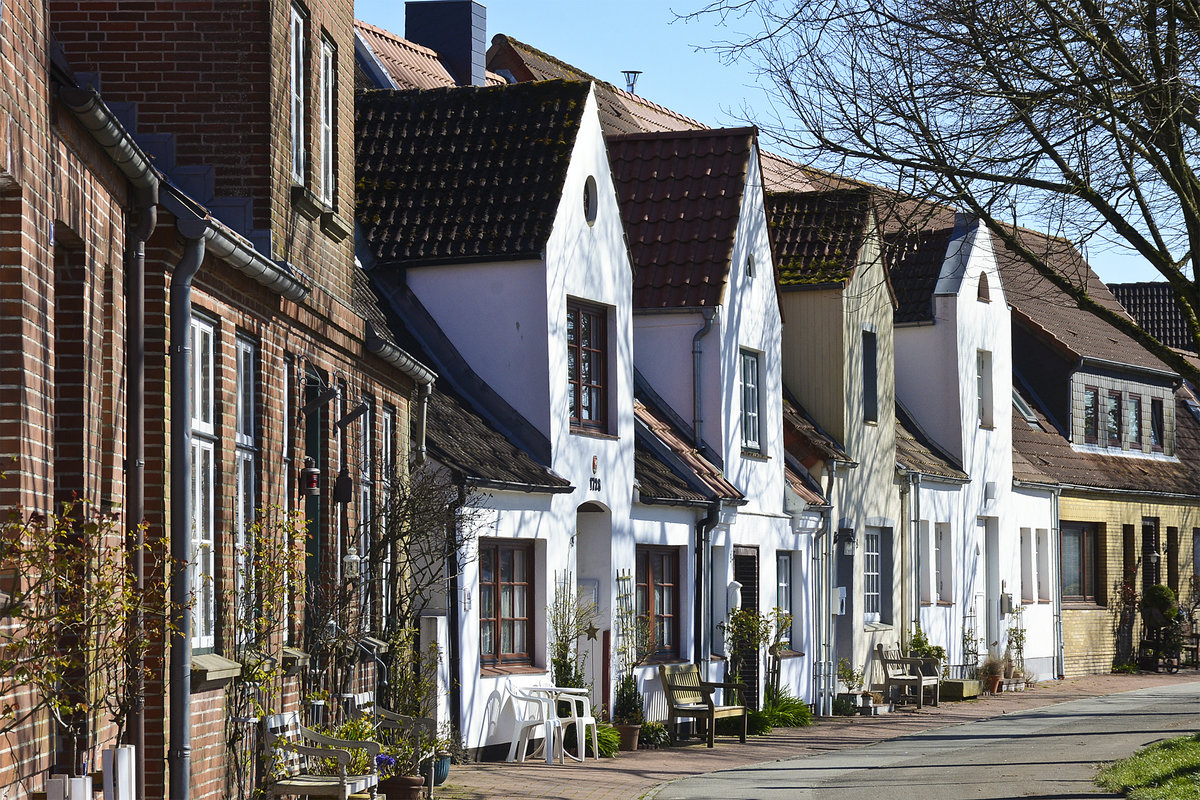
{"x": 246, "y": 441}
{"x": 587, "y": 365}
{"x": 505, "y": 586}
{"x": 750, "y": 402}
{"x": 1091, "y": 414}
{"x": 204, "y": 614}
{"x": 1135, "y": 420}
{"x": 783, "y": 594}
{"x": 299, "y": 58}
{"x": 328, "y": 91}
{"x": 750, "y": 266}
{"x": 657, "y": 596}
{"x": 1156, "y": 424}
{"x": 1112, "y": 420}
{"x": 984, "y": 294}
{"x": 870, "y": 377}
{"x": 983, "y": 387}
{"x": 1077, "y": 546}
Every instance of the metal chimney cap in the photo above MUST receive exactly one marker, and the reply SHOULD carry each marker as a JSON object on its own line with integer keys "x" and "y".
{"x": 631, "y": 78}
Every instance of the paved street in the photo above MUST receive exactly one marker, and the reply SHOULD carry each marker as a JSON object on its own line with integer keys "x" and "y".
{"x": 636, "y": 775}
{"x": 1043, "y": 753}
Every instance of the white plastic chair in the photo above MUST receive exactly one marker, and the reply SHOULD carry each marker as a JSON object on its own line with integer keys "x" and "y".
{"x": 581, "y": 717}
{"x": 532, "y": 711}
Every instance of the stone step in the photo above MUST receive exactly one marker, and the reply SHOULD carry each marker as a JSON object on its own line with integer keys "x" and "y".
{"x": 961, "y": 689}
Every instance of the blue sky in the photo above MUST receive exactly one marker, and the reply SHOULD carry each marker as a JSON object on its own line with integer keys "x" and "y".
{"x": 604, "y": 37}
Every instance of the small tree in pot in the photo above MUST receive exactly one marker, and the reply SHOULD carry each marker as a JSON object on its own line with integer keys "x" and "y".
{"x": 635, "y": 642}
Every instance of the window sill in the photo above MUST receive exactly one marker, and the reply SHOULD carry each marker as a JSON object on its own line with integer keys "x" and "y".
{"x": 306, "y": 203}
{"x": 335, "y": 228}
{"x": 876, "y": 626}
{"x": 1082, "y": 605}
{"x": 987, "y": 427}
{"x": 592, "y": 433}
{"x": 789, "y": 653}
{"x": 294, "y": 660}
{"x": 654, "y": 662}
{"x": 755, "y": 455}
{"x": 212, "y": 669}
{"x": 944, "y": 604}
{"x": 1044, "y": 600}
{"x": 511, "y": 669}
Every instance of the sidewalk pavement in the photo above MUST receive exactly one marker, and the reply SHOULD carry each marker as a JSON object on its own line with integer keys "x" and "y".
{"x": 633, "y": 775}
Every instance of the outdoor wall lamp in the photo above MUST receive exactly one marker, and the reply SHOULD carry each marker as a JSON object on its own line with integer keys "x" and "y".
{"x": 343, "y": 486}
{"x": 310, "y": 478}
{"x": 733, "y": 596}
{"x": 1154, "y": 557}
{"x": 846, "y": 537}
{"x": 350, "y": 563}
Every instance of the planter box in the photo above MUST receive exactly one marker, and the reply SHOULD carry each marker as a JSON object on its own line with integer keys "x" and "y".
{"x": 961, "y": 689}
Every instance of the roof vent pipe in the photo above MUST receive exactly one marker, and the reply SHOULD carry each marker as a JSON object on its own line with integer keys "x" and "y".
{"x": 631, "y": 78}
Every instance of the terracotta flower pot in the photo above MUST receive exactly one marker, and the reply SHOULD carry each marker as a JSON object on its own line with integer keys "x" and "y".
{"x": 402, "y": 787}
{"x": 629, "y": 736}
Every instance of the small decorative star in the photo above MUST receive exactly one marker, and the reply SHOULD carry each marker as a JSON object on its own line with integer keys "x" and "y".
{"x": 591, "y": 631}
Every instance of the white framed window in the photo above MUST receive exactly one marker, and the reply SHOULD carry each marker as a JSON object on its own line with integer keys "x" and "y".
{"x": 943, "y": 559}
{"x": 366, "y": 503}
{"x": 203, "y": 476}
{"x": 297, "y": 94}
{"x": 246, "y": 456}
{"x": 983, "y": 387}
{"x": 751, "y": 439}
{"x": 871, "y": 564}
{"x": 387, "y": 466}
{"x": 783, "y": 593}
{"x": 328, "y": 109}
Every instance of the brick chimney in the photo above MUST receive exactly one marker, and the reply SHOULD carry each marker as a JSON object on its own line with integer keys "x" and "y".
{"x": 456, "y": 30}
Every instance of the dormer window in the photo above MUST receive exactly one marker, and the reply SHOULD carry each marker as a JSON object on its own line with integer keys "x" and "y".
{"x": 1091, "y": 415}
{"x": 1156, "y": 425}
{"x": 1135, "y": 420}
{"x": 1112, "y": 424}
{"x": 985, "y": 294}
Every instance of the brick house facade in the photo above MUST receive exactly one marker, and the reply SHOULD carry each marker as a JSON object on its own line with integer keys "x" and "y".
{"x": 207, "y": 94}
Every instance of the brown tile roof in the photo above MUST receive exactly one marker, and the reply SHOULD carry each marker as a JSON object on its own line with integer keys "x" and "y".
{"x": 675, "y": 448}
{"x": 410, "y": 65}
{"x": 469, "y": 428}
{"x": 620, "y": 111}
{"x": 804, "y": 439}
{"x": 1152, "y": 304}
{"x": 916, "y": 452}
{"x": 463, "y": 174}
{"x": 1050, "y": 453}
{"x": 680, "y": 195}
{"x": 817, "y": 236}
{"x": 914, "y": 264}
{"x": 1052, "y": 315}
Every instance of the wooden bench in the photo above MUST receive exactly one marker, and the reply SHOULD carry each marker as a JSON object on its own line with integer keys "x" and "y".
{"x": 688, "y": 697}
{"x": 916, "y": 674}
{"x": 293, "y": 752}
{"x": 423, "y": 729}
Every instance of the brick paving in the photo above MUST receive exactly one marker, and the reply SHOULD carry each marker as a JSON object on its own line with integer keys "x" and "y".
{"x": 633, "y": 775}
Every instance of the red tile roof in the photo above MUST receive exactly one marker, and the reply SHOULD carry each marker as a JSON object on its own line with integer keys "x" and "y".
{"x": 916, "y": 452}
{"x": 680, "y": 195}
{"x": 699, "y": 470}
{"x": 410, "y": 65}
{"x": 817, "y": 236}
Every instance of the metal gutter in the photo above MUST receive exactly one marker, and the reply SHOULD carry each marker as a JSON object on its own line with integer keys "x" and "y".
{"x": 528, "y": 488}
{"x": 414, "y": 369}
{"x": 1104, "y": 363}
{"x": 234, "y": 249}
{"x": 100, "y": 122}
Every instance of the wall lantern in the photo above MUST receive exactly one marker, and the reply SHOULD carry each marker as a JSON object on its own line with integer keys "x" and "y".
{"x": 343, "y": 486}
{"x": 350, "y": 563}
{"x": 1154, "y": 557}
{"x": 733, "y": 596}
{"x": 310, "y": 478}
{"x": 845, "y": 536}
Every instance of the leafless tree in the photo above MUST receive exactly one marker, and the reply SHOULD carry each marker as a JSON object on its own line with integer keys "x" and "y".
{"x": 1080, "y": 118}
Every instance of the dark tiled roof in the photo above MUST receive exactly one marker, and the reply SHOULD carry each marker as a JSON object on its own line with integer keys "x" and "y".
{"x": 463, "y": 174}
{"x": 410, "y": 65}
{"x": 803, "y": 437}
{"x": 656, "y": 481}
{"x": 914, "y": 264}
{"x": 1050, "y": 453}
{"x": 1053, "y": 315}
{"x": 916, "y": 452}
{"x": 1153, "y": 306}
{"x": 817, "y": 236}
{"x": 674, "y": 448}
{"x": 620, "y": 111}
{"x": 680, "y": 195}
{"x": 460, "y": 432}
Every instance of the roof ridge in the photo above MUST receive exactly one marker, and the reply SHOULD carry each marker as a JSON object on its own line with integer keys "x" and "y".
{"x": 744, "y": 130}
{"x": 409, "y": 43}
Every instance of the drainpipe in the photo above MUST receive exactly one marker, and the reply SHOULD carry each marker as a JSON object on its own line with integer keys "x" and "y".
{"x": 455, "y": 632}
{"x": 826, "y": 685}
{"x": 703, "y": 590}
{"x": 1060, "y": 666}
{"x": 107, "y": 131}
{"x": 915, "y": 596}
{"x": 179, "y": 756}
{"x": 414, "y": 369}
{"x": 697, "y": 352}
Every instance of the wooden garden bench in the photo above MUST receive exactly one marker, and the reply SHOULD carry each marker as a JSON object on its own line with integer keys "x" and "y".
{"x": 688, "y": 697}
{"x": 904, "y": 674}
{"x": 293, "y": 751}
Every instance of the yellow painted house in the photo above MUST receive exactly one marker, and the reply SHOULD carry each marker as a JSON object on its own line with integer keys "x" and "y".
{"x": 1119, "y": 434}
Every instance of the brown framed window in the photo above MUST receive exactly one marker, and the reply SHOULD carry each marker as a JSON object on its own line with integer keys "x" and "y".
{"x": 1112, "y": 420}
{"x": 505, "y": 594}
{"x": 1077, "y": 548}
{"x": 1091, "y": 414}
{"x": 587, "y": 365}
{"x": 657, "y": 593}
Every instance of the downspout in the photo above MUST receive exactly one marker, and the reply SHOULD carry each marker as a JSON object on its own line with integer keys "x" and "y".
{"x": 453, "y": 589}
{"x": 702, "y": 589}
{"x": 697, "y": 352}
{"x": 915, "y": 597}
{"x": 826, "y": 685}
{"x": 179, "y": 756}
{"x": 414, "y": 369}
{"x": 1060, "y": 666}
{"x": 108, "y": 132}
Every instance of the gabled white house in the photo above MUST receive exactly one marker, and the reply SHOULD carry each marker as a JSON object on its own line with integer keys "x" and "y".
{"x": 706, "y": 336}
{"x": 975, "y": 549}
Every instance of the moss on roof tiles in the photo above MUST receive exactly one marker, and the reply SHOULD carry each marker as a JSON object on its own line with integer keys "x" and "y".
{"x": 817, "y": 235}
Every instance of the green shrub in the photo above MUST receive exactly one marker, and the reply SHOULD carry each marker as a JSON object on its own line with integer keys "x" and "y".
{"x": 843, "y": 707}
{"x": 608, "y": 739}
{"x": 757, "y": 724}
{"x": 654, "y": 734}
{"x": 783, "y": 710}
